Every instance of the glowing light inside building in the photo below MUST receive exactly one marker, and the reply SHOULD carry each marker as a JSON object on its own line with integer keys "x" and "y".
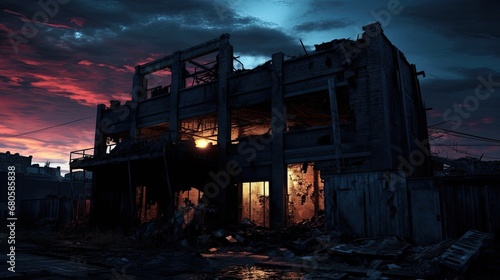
{"x": 201, "y": 143}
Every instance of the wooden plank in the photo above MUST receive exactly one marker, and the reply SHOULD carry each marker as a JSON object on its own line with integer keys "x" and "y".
{"x": 459, "y": 256}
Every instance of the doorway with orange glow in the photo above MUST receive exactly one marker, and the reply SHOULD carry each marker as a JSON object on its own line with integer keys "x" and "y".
{"x": 305, "y": 192}
{"x": 255, "y": 202}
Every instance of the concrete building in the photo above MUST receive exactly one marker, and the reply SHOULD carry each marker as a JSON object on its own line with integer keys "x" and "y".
{"x": 329, "y": 131}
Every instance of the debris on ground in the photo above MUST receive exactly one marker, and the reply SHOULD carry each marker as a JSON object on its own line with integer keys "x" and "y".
{"x": 301, "y": 251}
{"x": 460, "y": 254}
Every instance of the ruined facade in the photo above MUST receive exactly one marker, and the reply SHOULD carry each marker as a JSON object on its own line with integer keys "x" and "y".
{"x": 276, "y": 144}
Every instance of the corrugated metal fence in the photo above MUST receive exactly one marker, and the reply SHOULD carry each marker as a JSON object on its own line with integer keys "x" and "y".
{"x": 33, "y": 210}
{"x": 427, "y": 210}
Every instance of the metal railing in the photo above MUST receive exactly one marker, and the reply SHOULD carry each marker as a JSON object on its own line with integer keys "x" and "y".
{"x": 81, "y": 154}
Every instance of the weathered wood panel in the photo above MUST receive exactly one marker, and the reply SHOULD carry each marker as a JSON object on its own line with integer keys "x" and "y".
{"x": 470, "y": 203}
{"x": 351, "y": 210}
{"x": 383, "y": 197}
{"x": 425, "y": 211}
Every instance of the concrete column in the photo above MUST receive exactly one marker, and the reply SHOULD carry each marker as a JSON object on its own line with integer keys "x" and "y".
{"x": 225, "y": 64}
{"x": 278, "y": 205}
{"x": 100, "y": 137}
{"x": 99, "y": 149}
{"x": 379, "y": 86}
{"x": 177, "y": 84}
{"x": 138, "y": 92}
{"x": 225, "y": 67}
{"x": 334, "y": 112}
{"x": 404, "y": 105}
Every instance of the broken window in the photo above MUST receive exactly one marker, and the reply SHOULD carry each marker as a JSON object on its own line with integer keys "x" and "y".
{"x": 250, "y": 121}
{"x": 190, "y": 197}
{"x": 158, "y": 83}
{"x": 308, "y": 110}
{"x": 201, "y": 70}
{"x": 154, "y": 132}
{"x": 202, "y": 130}
{"x": 186, "y": 201}
{"x": 344, "y": 109}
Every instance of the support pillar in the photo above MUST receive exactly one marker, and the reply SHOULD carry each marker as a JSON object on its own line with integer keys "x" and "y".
{"x": 138, "y": 93}
{"x": 225, "y": 67}
{"x": 334, "y": 111}
{"x": 99, "y": 149}
{"x": 178, "y": 83}
{"x": 278, "y": 205}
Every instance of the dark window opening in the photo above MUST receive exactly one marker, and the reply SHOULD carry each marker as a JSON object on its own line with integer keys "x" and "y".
{"x": 250, "y": 121}
{"x": 308, "y": 110}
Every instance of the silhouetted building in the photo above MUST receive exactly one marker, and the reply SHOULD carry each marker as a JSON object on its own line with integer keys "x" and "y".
{"x": 19, "y": 162}
{"x": 40, "y": 191}
{"x": 277, "y": 144}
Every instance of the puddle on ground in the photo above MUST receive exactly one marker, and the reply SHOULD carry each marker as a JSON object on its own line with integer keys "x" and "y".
{"x": 253, "y": 272}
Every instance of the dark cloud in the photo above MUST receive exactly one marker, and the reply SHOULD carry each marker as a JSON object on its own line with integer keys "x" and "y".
{"x": 113, "y": 30}
{"x": 86, "y": 52}
{"x": 320, "y": 6}
{"x": 473, "y": 26}
{"x": 323, "y": 25}
{"x": 444, "y": 94}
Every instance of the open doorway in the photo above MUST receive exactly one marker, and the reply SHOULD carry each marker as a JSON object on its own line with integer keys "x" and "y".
{"x": 255, "y": 202}
{"x": 305, "y": 192}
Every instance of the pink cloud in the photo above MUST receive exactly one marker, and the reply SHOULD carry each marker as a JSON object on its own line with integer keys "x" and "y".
{"x": 85, "y": 62}
{"x": 68, "y": 87}
{"x": 55, "y": 25}
{"x": 25, "y": 19}
{"x": 6, "y": 28}
{"x": 31, "y": 62}
{"x": 7, "y": 130}
{"x": 487, "y": 120}
{"x": 14, "y": 13}
{"x": 434, "y": 113}
{"x": 15, "y": 81}
{"x": 78, "y": 21}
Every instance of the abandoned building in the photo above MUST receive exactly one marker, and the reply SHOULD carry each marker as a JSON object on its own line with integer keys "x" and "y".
{"x": 332, "y": 130}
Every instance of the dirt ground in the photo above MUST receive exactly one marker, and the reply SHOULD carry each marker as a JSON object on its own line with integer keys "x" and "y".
{"x": 249, "y": 253}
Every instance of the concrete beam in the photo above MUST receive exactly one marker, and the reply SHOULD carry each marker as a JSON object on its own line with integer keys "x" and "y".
{"x": 190, "y": 53}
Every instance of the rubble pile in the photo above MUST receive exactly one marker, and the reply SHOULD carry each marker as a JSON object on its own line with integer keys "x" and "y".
{"x": 307, "y": 247}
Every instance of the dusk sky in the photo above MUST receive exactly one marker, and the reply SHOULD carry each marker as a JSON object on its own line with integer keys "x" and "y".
{"x": 59, "y": 61}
